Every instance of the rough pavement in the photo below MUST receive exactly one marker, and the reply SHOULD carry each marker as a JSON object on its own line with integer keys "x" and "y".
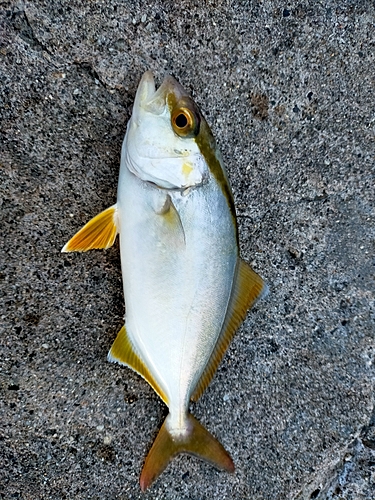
{"x": 288, "y": 89}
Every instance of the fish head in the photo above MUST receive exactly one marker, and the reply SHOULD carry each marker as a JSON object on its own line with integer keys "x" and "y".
{"x": 161, "y": 141}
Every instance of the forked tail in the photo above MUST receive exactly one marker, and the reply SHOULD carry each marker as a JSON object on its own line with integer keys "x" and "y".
{"x": 194, "y": 439}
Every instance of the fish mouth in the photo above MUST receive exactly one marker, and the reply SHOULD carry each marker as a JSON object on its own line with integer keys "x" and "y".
{"x": 155, "y": 100}
{"x": 146, "y": 88}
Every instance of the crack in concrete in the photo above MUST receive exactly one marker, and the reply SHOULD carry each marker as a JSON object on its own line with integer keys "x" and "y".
{"x": 333, "y": 477}
{"x": 21, "y": 23}
{"x": 89, "y": 69}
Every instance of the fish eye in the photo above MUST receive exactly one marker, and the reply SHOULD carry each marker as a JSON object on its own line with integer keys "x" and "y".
{"x": 181, "y": 121}
{"x": 185, "y": 122}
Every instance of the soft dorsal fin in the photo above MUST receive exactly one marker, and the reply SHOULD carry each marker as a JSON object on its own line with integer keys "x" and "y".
{"x": 99, "y": 232}
{"x": 248, "y": 288}
{"x": 122, "y": 351}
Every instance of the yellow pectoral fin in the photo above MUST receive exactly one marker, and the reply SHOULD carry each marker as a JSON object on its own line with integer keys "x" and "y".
{"x": 122, "y": 351}
{"x": 99, "y": 232}
{"x": 247, "y": 290}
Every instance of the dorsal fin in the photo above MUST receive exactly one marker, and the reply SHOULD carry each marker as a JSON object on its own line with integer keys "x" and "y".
{"x": 248, "y": 288}
{"x": 99, "y": 232}
{"x": 123, "y": 352}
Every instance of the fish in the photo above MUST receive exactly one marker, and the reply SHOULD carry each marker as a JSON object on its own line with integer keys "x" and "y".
{"x": 186, "y": 289}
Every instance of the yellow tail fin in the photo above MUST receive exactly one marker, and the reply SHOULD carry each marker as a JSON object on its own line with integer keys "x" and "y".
{"x": 193, "y": 439}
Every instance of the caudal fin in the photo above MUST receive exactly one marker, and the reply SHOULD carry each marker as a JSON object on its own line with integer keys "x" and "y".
{"x": 194, "y": 440}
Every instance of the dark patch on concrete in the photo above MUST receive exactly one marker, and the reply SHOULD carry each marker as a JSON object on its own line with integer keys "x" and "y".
{"x": 259, "y": 105}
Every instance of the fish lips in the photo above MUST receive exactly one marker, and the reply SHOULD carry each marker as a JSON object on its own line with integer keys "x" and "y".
{"x": 155, "y": 100}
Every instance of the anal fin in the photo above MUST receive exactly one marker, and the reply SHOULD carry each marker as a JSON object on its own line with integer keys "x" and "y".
{"x": 99, "y": 232}
{"x": 248, "y": 288}
{"x": 122, "y": 351}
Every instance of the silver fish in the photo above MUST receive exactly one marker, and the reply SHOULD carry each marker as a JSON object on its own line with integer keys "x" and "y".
{"x": 186, "y": 289}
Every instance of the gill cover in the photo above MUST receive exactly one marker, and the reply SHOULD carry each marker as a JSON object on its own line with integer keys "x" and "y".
{"x": 160, "y": 144}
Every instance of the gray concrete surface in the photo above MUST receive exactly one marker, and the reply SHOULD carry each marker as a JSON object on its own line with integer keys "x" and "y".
{"x": 288, "y": 89}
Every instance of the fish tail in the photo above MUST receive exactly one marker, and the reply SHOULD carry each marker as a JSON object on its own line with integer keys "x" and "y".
{"x": 193, "y": 439}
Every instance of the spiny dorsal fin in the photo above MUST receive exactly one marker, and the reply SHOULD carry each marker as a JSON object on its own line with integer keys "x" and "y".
{"x": 248, "y": 288}
{"x": 99, "y": 232}
{"x": 122, "y": 352}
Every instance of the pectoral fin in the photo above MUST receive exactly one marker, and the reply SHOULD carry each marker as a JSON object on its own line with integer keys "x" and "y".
{"x": 123, "y": 352}
{"x": 172, "y": 220}
{"x": 248, "y": 288}
{"x": 99, "y": 232}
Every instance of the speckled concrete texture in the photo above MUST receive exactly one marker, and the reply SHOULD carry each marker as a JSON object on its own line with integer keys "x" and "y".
{"x": 288, "y": 89}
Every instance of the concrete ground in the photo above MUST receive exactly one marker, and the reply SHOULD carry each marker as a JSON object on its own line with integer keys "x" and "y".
{"x": 288, "y": 89}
